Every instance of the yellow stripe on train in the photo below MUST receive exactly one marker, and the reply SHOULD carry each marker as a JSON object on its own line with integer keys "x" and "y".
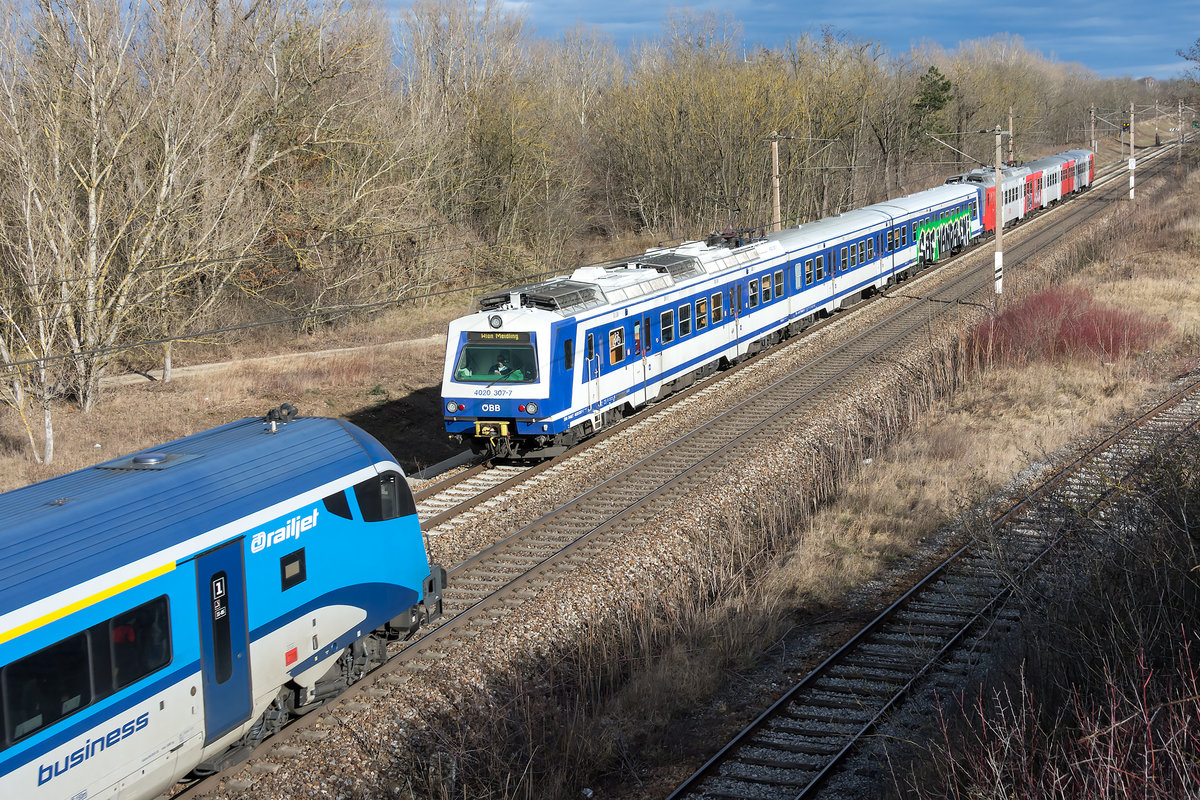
{"x": 59, "y": 613}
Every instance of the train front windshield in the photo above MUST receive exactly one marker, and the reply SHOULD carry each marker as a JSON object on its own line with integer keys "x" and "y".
{"x": 489, "y": 363}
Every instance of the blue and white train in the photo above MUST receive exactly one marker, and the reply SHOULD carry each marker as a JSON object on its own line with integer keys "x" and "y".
{"x": 162, "y": 612}
{"x": 542, "y": 366}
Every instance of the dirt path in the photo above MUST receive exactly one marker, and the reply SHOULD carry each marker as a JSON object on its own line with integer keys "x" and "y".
{"x": 198, "y": 369}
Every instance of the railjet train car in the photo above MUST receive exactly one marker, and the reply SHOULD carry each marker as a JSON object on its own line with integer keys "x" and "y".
{"x": 163, "y": 612}
{"x": 541, "y": 366}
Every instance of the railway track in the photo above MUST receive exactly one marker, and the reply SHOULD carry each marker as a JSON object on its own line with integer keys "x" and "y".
{"x": 505, "y": 576}
{"x": 795, "y": 745}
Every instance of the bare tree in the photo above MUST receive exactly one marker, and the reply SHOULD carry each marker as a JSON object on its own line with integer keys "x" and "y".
{"x": 145, "y": 150}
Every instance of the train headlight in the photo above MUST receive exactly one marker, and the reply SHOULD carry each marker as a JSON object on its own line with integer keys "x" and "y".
{"x": 495, "y": 320}
{"x": 451, "y": 406}
{"x": 531, "y": 408}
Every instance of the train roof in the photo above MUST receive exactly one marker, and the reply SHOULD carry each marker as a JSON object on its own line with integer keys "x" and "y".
{"x": 986, "y": 176}
{"x": 919, "y": 201}
{"x": 611, "y": 284}
{"x": 141, "y": 511}
{"x": 850, "y": 222}
{"x": 1056, "y": 160}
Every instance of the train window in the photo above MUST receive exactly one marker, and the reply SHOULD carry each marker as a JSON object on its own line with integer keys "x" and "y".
{"x": 141, "y": 642}
{"x": 489, "y": 363}
{"x": 338, "y": 505}
{"x": 754, "y": 293}
{"x": 701, "y": 314}
{"x": 569, "y": 354}
{"x": 65, "y": 677}
{"x": 685, "y": 320}
{"x": 779, "y": 283}
{"x": 616, "y": 346}
{"x": 384, "y": 497}
{"x": 292, "y": 571}
{"x": 637, "y": 338}
{"x": 889, "y": 241}
{"x": 808, "y": 272}
{"x": 591, "y": 347}
{"x": 766, "y": 288}
{"x": 667, "y": 319}
{"x": 718, "y": 310}
{"x": 46, "y": 686}
{"x": 862, "y": 252}
{"x": 853, "y": 256}
{"x": 842, "y": 262}
{"x": 820, "y": 273}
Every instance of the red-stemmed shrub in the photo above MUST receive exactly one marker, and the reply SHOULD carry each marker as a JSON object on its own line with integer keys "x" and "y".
{"x": 1063, "y": 323}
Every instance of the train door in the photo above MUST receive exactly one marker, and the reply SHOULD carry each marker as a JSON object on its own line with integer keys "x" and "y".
{"x": 651, "y": 357}
{"x": 224, "y": 643}
{"x": 637, "y": 363}
{"x": 591, "y": 375}
{"x": 737, "y": 318}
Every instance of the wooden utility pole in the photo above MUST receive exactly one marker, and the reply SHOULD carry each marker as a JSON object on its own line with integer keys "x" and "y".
{"x": 1179, "y": 144}
{"x": 999, "y": 206}
{"x": 1156, "y": 139}
{"x": 1132, "y": 153}
{"x": 775, "y": 220}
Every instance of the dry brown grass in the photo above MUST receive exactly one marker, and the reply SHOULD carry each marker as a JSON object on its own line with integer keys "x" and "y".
{"x": 961, "y": 452}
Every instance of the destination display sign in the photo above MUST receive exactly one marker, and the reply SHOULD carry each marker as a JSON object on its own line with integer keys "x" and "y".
{"x": 498, "y": 336}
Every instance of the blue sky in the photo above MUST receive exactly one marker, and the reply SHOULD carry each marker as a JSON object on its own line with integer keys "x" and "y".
{"x": 1110, "y": 38}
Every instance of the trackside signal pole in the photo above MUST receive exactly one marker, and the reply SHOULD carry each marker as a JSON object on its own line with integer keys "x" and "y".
{"x": 999, "y": 257}
{"x": 1094, "y": 127}
{"x": 775, "y": 220}
{"x": 1132, "y": 154}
